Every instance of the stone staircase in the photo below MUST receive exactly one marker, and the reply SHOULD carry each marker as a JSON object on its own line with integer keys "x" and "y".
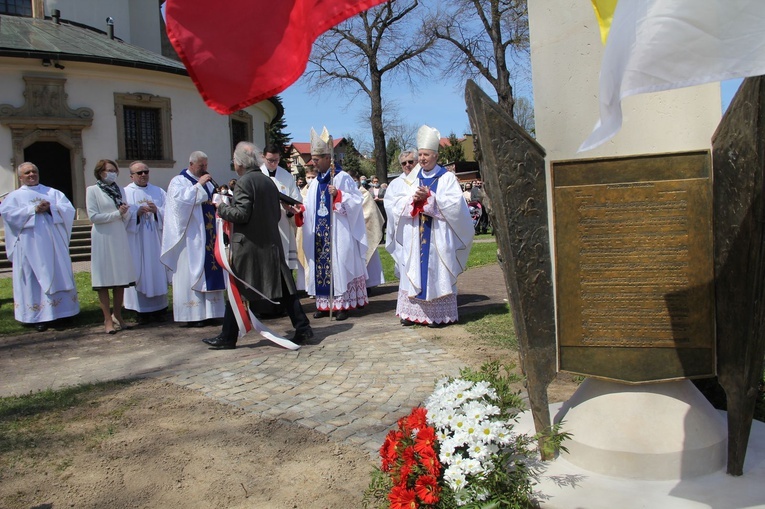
{"x": 79, "y": 246}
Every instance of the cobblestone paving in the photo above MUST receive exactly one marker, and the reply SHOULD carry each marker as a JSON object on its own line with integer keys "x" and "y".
{"x": 353, "y": 390}
{"x": 351, "y": 383}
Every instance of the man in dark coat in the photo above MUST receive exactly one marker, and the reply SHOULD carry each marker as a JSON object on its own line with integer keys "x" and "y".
{"x": 256, "y": 247}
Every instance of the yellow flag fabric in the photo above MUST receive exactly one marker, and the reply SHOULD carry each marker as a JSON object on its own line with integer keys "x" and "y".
{"x": 604, "y": 11}
{"x": 656, "y": 45}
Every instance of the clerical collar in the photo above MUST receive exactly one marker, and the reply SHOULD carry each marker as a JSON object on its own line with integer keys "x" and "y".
{"x": 272, "y": 173}
{"x": 429, "y": 173}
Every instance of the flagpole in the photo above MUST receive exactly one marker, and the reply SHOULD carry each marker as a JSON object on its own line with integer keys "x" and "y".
{"x": 331, "y": 233}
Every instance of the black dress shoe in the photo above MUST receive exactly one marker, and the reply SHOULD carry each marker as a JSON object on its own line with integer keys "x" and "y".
{"x": 213, "y": 340}
{"x": 341, "y": 315}
{"x": 439, "y": 325}
{"x": 406, "y": 323}
{"x": 196, "y": 325}
{"x": 41, "y": 327}
{"x": 302, "y": 336}
{"x": 320, "y": 314}
{"x": 221, "y": 343}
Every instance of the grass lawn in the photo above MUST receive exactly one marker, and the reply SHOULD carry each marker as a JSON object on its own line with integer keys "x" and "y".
{"x": 90, "y": 313}
{"x": 483, "y": 253}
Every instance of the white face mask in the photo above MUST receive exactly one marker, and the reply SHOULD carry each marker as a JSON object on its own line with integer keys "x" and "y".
{"x": 110, "y": 177}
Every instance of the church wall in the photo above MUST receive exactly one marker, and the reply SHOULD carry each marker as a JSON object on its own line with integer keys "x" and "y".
{"x": 11, "y": 90}
{"x": 194, "y": 125}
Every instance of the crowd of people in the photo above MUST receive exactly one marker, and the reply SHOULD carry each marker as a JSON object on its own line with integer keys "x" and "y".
{"x": 478, "y": 205}
{"x": 326, "y": 226}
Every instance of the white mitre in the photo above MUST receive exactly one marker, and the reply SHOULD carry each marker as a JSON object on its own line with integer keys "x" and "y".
{"x": 321, "y": 145}
{"x": 428, "y": 138}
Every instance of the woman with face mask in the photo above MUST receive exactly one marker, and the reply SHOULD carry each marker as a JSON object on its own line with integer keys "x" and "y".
{"x": 110, "y": 251}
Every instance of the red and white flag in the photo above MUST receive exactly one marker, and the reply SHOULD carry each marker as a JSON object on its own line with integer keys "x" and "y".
{"x": 240, "y": 52}
{"x": 245, "y": 319}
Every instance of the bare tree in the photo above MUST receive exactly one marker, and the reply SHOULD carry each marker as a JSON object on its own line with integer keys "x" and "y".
{"x": 353, "y": 57}
{"x": 405, "y": 133}
{"x": 487, "y": 38}
{"x": 524, "y": 115}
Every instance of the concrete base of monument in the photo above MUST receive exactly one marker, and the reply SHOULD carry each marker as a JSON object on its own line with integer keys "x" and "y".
{"x": 648, "y": 446}
{"x": 658, "y": 431}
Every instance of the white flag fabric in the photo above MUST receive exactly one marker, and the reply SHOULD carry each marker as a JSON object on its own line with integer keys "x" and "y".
{"x": 656, "y": 45}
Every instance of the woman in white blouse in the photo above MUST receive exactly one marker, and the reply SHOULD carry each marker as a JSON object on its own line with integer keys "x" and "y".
{"x": 111, "y": 266}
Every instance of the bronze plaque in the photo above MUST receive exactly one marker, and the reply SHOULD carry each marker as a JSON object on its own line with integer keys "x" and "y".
{"x": 634, "y": 267}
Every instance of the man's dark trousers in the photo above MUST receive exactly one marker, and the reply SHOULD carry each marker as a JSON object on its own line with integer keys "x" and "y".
{"x": 291, "y": 304}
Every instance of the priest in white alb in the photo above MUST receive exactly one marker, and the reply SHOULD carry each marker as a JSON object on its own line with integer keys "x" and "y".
{"x": 188, "y": 240}
{"x": 148, "y": 298}
{"x": 334, "y": 235}
{"x": 374, "y": 221}
{"x": 433, "y": 236}
{"x": 38, "y": 226}
{"x": 286, "y": 185}
{"x": 285, "y": 182}
{"x": 396, "y": 198}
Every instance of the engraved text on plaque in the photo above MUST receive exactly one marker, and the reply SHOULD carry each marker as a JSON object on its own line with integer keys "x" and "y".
{"x": 633, "y": 242}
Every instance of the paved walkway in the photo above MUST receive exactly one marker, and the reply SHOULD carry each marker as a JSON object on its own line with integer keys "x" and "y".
{"x": 352, "y": 382}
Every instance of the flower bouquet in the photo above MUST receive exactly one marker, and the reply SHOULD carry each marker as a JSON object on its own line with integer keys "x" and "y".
{"x": 458, "y": 450}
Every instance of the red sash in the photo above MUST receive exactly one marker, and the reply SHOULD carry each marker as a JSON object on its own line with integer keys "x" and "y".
{"x": 245, "y": 319}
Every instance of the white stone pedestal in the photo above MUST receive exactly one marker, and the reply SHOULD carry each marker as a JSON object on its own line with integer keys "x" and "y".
{"x": 657, "y": 446}
{"x": 652, "y": 432}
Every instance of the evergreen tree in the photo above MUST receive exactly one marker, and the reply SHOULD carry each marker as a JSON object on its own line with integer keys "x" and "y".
{"x": 451, "y": 153}
{"x": 393, "y": 150}
{"x": 351, "y": 160}
{"x": 367, "y": 166}
{"x": 276, "y": 135}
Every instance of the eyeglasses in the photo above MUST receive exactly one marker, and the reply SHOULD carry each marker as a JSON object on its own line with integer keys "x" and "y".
{"x": 272, "y": 160}
{"x": 404, "y": 163}
{"x": 142, "y": 172}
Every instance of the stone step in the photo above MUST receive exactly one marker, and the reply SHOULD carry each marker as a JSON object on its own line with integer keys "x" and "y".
{"x": 79, "y": 244}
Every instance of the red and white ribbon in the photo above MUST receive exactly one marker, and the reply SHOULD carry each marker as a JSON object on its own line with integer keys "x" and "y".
{"x": 245, "y": 319}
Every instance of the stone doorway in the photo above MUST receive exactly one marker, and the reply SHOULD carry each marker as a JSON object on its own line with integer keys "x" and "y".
{"x": 46, "y": 127}
{"x": 54, "y": 162}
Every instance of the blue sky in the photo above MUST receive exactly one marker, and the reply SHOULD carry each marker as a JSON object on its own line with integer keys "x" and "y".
{"x": 729, "y": 89}
{"x": 441, "y": 105}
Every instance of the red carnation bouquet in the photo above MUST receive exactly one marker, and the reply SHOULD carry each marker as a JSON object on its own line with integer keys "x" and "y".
{"x": 459, "y": 450}
{"x": 410, "y": 457}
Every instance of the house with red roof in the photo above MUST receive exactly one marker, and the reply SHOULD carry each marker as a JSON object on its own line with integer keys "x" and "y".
{"x": 300, "y": 154}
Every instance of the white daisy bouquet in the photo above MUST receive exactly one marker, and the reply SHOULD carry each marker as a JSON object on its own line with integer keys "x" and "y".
{"x": 482, "y": 458}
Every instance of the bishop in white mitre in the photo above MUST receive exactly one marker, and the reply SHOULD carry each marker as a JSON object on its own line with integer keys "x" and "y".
{"x": 334, "y": 235}
{"x": 433, "y": 236}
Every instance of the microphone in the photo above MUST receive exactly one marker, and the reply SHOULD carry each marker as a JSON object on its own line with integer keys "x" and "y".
{"x": 212, "y": 180}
